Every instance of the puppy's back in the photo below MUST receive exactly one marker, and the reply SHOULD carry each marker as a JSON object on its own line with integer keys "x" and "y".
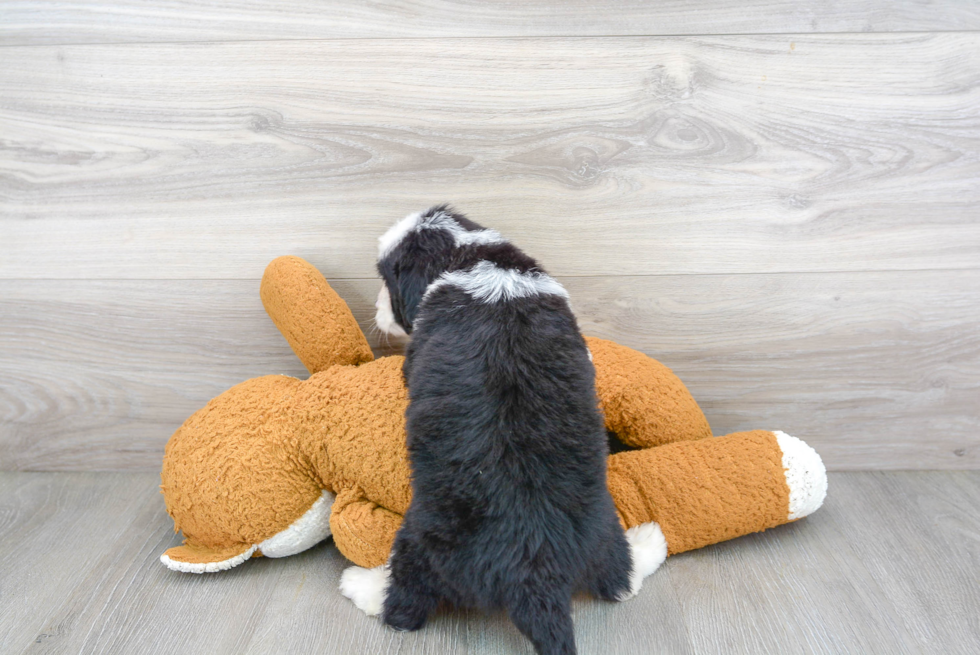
{"x": 507, "y": 444}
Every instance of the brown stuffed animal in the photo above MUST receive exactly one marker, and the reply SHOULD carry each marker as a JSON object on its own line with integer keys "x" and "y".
{"x": 275, "y": 464}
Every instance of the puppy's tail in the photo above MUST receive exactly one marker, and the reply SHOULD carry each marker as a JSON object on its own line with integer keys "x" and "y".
{"x": 542, "y": 613}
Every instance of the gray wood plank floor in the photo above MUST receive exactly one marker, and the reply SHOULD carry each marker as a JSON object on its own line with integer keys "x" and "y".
{"x": 627, "y": 156}
{"x": 891, "y": 564}
{"x": 778, "y": 199}
{"x": 25, "y": 22}
{"x": 880, "y": 371}
{"x": 790, "y": 222}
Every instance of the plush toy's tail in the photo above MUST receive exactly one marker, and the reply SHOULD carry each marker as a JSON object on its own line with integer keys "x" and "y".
{"x": 710, "y": 490}
{"x": 315, "y": 321}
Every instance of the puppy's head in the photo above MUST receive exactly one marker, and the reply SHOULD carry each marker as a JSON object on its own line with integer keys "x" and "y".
{"x": 413, "y": 253}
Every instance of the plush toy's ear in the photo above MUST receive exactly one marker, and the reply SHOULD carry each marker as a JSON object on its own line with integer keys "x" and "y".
{"x": 315, "y": 321}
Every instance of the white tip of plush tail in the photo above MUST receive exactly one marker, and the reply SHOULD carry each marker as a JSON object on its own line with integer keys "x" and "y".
{"x": 806, "y": 476}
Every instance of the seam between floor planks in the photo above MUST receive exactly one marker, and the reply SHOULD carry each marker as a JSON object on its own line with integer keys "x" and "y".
{"x": 45, "y": 22}
{"x": 843, "y": 362}
{"x": 583, "y": 275}
{"x": 706, "y": 35}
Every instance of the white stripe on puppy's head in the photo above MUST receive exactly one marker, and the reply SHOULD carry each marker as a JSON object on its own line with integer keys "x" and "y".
{"x": 489, "y": 283}
{"x": 412, "y": 254}
{"x": 397, "y": 233}
{"x": 437, "y": 218}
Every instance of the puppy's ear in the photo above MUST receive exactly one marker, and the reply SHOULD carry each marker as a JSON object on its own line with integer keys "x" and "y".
{"x": 411, "y": 286}
{"x": 417, "y": 261}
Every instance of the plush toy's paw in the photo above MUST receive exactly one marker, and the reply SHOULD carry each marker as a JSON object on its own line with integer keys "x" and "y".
{"x": 648, "y": 548}
{"x": 366, "y": 587}
{"x": 806, "y": 476}
{"x": 194, "y": 558}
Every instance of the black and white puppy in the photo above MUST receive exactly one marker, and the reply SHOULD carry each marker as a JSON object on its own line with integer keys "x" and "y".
{"x": 508, "y": 449}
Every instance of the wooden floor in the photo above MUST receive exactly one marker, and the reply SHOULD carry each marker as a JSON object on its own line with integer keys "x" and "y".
{"x": 891, "y": 564}
{"x": 779, "y": 200}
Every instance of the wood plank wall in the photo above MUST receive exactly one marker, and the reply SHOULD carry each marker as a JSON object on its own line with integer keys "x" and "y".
{"x": 779, "y": 200}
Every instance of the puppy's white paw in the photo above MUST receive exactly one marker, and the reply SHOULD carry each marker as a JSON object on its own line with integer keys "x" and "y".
{"x": 648, "y": 548}
{"x": 366, "y": 587}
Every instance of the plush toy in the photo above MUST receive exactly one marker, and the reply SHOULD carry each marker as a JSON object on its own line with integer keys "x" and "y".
{"x": 276, "y": 464}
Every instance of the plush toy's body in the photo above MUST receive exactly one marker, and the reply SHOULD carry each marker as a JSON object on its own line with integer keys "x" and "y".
{"x": 275, "y": 464}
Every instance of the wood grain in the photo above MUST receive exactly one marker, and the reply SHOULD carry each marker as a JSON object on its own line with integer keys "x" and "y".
{"x": 926, "y": 592}
{"x": 57, "y": 533}
{"x": 888, "y": 565}
{"x": 875, "y": 370}
{"x": 91, "y": 21}
{"x": 627, "y": 156}
{"x": 868, "y": 573}
{"x": 104, "y": 372}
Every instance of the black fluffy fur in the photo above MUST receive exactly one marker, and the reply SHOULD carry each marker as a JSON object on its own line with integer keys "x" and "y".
{"x": 507, "y": 447}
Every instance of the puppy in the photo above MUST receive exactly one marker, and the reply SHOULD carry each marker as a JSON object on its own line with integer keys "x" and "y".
{"x": 508, "y": 449}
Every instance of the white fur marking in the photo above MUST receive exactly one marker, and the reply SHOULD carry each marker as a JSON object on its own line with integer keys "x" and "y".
{"x": 438, "y": 221}
{"x": 476, "y": 237}
{"x": 806, "y": 475}
{"x": 648, "y": 548}
{"x": 305, "y": 532}
{"x": 488, "y": 283}
{"x": 397, "y": 232}
{"x": 366, "y": 587}
{"x": 385, "y": 317}
{"x": 206, "y": 567}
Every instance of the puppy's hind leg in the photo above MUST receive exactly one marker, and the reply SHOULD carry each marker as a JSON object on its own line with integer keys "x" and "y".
{"x": 609, "y": 575}
{"x": 542, "y": 612}
{"x": 412, "y": 588}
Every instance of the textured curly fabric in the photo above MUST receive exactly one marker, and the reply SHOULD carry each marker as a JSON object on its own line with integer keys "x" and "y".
{"x": 644, "y": 403}
{"x": 702, "y": 492}
{"x": 256, "y": 458}
{"x": 315, "y": 321}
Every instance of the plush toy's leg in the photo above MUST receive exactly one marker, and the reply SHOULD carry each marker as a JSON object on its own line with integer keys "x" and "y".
{"x": 644, "y": 403}
{"x": 305, "y": 532}
{"x": 233, "y": 478}
{"x": 315, "y": 321}
{"x": 363, "y": 531}
{"x": 709, "y": 490}
{"x": 688, "y": 494}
